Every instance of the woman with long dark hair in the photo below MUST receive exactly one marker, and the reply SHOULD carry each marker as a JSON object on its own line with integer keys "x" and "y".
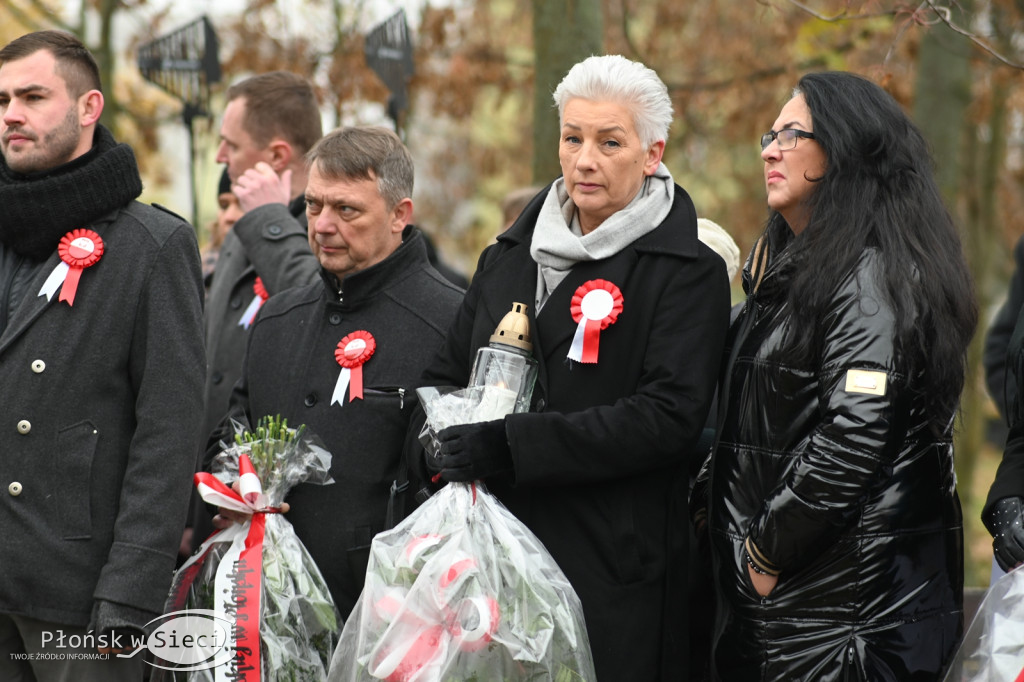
{"x": 834, "y": 520}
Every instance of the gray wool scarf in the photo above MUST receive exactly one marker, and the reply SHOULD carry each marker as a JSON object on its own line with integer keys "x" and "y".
{"x": 558, "y": 240}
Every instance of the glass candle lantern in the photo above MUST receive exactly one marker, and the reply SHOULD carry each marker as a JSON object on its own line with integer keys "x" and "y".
{"x": 505, "y": 367}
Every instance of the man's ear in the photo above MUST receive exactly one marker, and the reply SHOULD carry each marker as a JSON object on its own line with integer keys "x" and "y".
{"x": 281, "y": 154}
{"x": 90, "y": 107}
{"x": 401, "y": 215}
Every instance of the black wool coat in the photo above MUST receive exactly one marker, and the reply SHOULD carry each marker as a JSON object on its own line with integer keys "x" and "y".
{"x": 290, "y": 369}
{"x": 600, "y": 459}
{"x": 102, "y": 402}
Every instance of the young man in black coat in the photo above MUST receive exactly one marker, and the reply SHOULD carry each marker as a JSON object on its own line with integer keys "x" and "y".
{"x": 102, "y": 384}
{"x": 377, "y": 292}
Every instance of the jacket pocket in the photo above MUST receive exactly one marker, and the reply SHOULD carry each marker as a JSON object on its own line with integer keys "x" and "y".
{"x": 76, "y": 449}
{"x": 386, "y": 395}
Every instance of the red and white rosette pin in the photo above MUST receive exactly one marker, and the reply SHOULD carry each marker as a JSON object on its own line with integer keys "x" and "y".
{"x": 351, "y": 353}
{"x": 595, "y": 306}
{"x": 78, "y": 250}
{"x": 255, "y": 304}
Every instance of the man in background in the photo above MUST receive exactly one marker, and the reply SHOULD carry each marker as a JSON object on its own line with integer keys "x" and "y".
{"x": 270, "y": 122}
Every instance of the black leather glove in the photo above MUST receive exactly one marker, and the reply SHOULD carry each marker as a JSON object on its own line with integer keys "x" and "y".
{"x": 474, "y": 451}
{"x": 1004, "y": 520}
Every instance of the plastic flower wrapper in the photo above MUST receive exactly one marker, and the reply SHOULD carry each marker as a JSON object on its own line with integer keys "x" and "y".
{"x": 992, "y": 650}
{"x": 449, "y": 406}
{"x": 462, "y": 591}
{"x": 298, "y": 623}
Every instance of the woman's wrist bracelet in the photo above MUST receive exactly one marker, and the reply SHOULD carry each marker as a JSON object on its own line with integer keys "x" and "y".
{"x": 753, "y": 566}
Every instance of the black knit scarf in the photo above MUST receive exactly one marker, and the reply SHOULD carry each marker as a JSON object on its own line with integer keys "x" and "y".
{"x": 36, "y": 210}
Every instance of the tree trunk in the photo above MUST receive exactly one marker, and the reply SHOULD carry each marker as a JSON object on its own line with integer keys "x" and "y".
{"x": 564, "y": 32}
{"x": 104, "y": 53}
{"x": 942, "y": 98}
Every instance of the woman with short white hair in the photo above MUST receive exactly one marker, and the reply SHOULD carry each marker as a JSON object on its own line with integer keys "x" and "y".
{"x": 629, "y": 317}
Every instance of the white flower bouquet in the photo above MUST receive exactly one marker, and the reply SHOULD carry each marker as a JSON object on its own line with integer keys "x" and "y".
{"x": 296, "y": 621}
{"x": 462, "y": 591}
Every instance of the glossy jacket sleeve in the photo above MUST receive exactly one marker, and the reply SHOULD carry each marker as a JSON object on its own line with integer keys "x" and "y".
{"x": 1009, "y": 479}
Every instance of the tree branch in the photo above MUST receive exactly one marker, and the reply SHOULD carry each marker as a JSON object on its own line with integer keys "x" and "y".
{"x": 917, "y": 16}
{"x": 945, "y": 17}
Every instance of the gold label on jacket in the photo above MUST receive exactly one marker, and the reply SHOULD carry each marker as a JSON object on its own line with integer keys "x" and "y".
{"x": 863, "y": 381}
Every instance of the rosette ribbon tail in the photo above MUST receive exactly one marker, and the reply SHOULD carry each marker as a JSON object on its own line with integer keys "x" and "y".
{"x": 250, "y": 312}
{"x": 341, "y": 386}
{"x": 54, "y": 281}
{"x": 585, "y": 342}
{"x": 70, "y": 288}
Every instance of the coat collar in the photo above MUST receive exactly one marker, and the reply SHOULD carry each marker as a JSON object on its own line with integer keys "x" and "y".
{"x": 361, "y": 286}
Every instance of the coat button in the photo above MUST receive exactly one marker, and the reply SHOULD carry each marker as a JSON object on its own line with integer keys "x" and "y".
{"x": 24, "y": 426}
{"x": 274, "y": 230}
{"x": 216, "y": 378}
{"x": 38, "y": 366}
{"x": 541, "y": 404}
{"x": 236, "y": 302}
{"x": 310, "y": 400}
{"x": 14, "y": 489}
{"x": 335, "y": 318}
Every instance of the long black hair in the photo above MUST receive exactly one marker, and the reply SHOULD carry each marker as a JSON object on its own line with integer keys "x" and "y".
{"x": 878, "y": 190}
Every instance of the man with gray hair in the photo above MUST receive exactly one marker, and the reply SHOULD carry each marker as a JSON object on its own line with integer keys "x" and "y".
{"x": 343, "y": 355}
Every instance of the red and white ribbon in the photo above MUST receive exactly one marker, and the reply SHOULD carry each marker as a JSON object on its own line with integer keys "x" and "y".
{"x": 78, "y": 250}
{"x": 255, "y": 304}
{"x": 239, "y": 576}
{"x": 249, "y": 485}
{"x": 351, "y": 353}
{"x": 417, "y": 641}
{"x": 595, "y": 306}
{"x": 475, "y": 621}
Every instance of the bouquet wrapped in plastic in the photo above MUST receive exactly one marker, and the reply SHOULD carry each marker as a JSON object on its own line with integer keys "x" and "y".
{"x": 258, "y": 575}
{"x": 461, "y": 590}
{"x": 993, "y": 648}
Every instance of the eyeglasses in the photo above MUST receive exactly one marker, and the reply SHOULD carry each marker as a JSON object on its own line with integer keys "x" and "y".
{"x": 787, "y": 138}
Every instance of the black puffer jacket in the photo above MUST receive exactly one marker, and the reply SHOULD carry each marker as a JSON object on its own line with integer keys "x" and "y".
{"x": 843, "y": 480}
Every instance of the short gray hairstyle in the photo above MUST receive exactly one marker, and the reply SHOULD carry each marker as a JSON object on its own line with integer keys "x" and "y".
{"x": 366, "y": 153}
{"x": 617, "y": 79}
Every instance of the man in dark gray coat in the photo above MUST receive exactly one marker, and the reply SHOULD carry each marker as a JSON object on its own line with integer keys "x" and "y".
{"x": 344, "y": 355}
{"x": 270, "y": 122}
{"x": 101, "y": 364}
